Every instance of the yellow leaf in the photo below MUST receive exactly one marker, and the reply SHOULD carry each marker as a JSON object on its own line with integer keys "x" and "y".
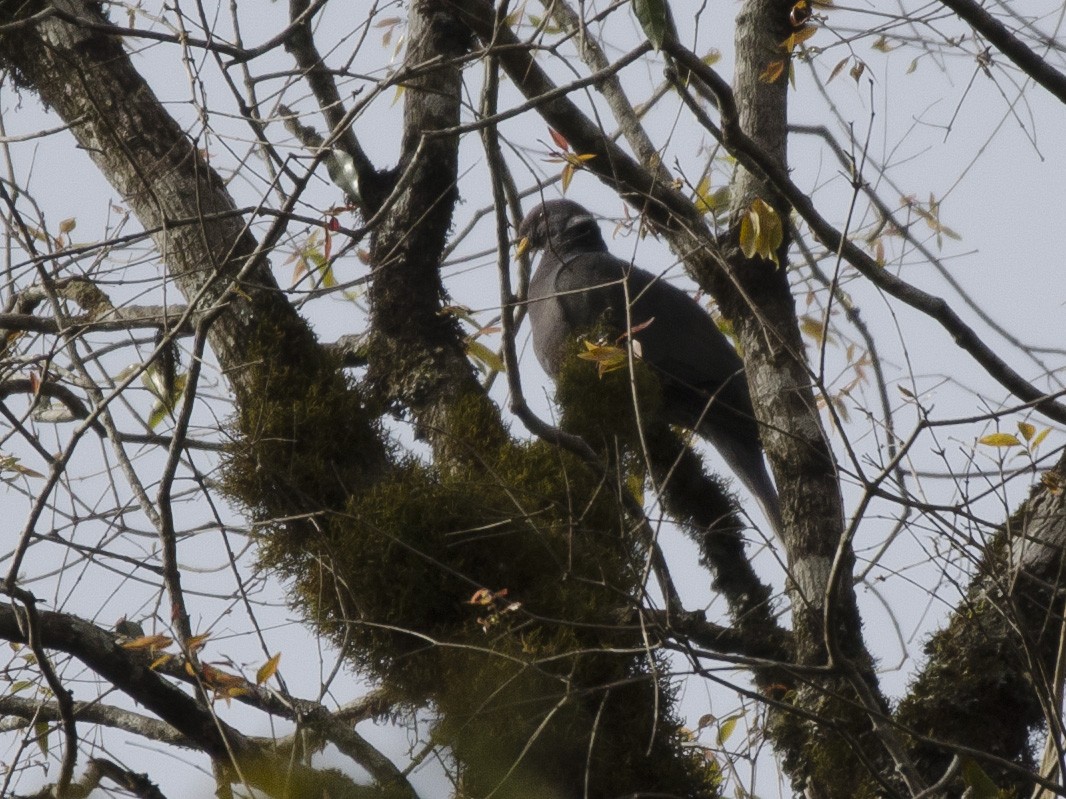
{"x": 567, "y": 176}
{"x": 607, "y": 357}
{"x": 1040, "y": 437}
{"x": 798, "y": 37}
{"x": 813, "y": 328}
{"x": 268, "y": 669}
{"x": 1000, "y": 440}
{"x": 712, "y": 58}
{"x": 577, "y": 159}
{"x": 149, "y": 642}
{"x": 196, "y": 642}
{"x": 761, "y": 232}
{"x": 162, "y": 660}
{"x": 749, "y": 232}
{"x": 773, "y": 71}
{"x": 1027, "y": 430}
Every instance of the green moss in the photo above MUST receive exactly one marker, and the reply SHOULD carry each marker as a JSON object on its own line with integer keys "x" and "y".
{"x": 303, "y": 439}
{"x": 546, "y": 683}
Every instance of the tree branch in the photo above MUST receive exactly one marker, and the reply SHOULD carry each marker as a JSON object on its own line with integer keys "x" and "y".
{"x": 1035, "y": 66}
{"x": 752, "y": 156}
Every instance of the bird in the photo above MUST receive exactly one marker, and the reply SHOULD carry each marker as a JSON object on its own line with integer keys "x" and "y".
{"x": 579, "y": 284}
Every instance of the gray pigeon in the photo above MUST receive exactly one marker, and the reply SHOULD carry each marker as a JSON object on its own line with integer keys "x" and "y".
{"x": 578, "y": 284}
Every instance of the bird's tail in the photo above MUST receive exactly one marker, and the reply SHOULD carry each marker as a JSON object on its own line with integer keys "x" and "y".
{"x": 750, "y": 467}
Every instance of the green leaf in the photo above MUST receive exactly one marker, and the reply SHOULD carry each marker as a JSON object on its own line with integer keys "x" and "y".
{"x": 654, "y": 19}
{"x": 40, "y": 729}
{"x": 9, "y": 463}
{"x": 483, "y": 356}
{"x": 976, "y": 778}
{"x": 725, "y": 729}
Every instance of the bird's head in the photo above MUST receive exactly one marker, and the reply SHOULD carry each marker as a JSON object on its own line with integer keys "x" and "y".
{"x": 559, "y": 224}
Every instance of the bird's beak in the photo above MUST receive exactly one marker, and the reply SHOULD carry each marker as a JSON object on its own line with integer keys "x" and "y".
{"x": 522, "y": 247}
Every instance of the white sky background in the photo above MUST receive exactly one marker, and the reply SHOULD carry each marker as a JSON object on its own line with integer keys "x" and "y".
{"x": 998, "y": 173}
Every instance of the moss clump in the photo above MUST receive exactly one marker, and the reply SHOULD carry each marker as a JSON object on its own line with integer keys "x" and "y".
{"x": 303, "y": 440}
{"x": 545, "y": 685}
{"x": 603, "y": 409}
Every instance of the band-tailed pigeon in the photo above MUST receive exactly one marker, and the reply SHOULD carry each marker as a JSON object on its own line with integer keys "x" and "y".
{"x": 578, "y": 284}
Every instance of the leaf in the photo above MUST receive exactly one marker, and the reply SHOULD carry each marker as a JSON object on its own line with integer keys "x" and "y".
{"x": 164, "y": 405}
{"x": 711, "y": 202}
{"x": 773, "y": 71}
{"x": 196, "y": 642}
{"x": 162, "y": 660}
{"x": 67, "y": 225}
{"x": 1027, "y": 430}
{"x": 157, "y": 415}
{"x": 976, "y": 778}
{"x": 1000, "y": 440}
{"x": 882, "y": 45}
{"x": 725, "y": 729}
{"x": 840, "y": 65}
{"x": 268, "y": 669}
{"x": 607, "y": 357}
{"x": 654, "y": 20}
{"x": 9, "y": 463}
{"x": 749, "y": 232}
{"x": 635, "y": 484}
{"x": 857, "y": 70}
{"x": 148, "y": 642}
{"x": 487, "y": 357}
{"x": 40, "y": 729}
{"x": 559, "y": 139}
{"x": 813, "y": 328}
{"x": 1040, "y": 437}
{"x": 218, "y": 679}
{"x": 567, "y": 176}
{"x": 798, "y": 37}
{"x": 761, "y": 232}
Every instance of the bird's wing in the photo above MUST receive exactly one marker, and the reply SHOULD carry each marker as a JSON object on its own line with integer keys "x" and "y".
{"x": 588, "y": 286}
{"x": 682, "y": 339}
